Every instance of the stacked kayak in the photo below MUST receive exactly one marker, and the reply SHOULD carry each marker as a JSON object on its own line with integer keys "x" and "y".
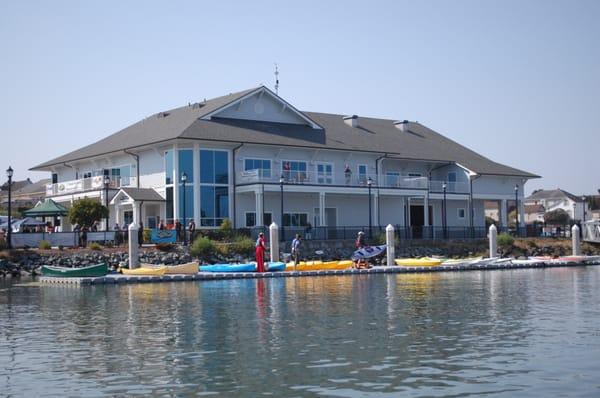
{"x": 468, "y": 260}
{"x": 319, "y": 265}
{"x": 83, "y": 272}
{"x": 249, "y": 267}
{"x": 418, "y": 262}
{"x": 145, "y": 271}
{"x": 187, "y": 269}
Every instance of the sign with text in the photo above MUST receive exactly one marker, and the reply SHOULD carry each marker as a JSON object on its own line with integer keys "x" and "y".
{"x": 163, "y": 236}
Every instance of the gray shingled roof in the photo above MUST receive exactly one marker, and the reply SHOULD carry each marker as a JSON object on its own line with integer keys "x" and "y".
{"x": 553, "y": 194}
{"x": 371, "y": 135}
{"x": 143, "y": 194}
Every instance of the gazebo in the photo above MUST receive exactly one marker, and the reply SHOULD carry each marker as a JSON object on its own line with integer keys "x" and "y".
{"x": 47, "y": 209}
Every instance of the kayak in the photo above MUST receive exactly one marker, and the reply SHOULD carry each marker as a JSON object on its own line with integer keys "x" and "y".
{"x": 468, "y": 260}
{"x": 560, "y": 259}
{"x": 188, "y": 268}
{"x": 146, "y": 271}
{"x": 91, "y": 271}
{"x": 418, "y": 262}
{"x": 249, "y": 267}
{"x": 319, "y": 265}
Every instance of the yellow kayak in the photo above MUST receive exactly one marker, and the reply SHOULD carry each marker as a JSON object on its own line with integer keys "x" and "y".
{"x": 158, "y": 271}
{"x": 418, "y": 262}
{"x": 319, "y": 265}
{"x": 188, "y": 268}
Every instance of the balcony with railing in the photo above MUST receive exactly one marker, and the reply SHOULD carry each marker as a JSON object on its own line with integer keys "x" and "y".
{"x": 350, "y": 180}
{"x": 95, "y": 183}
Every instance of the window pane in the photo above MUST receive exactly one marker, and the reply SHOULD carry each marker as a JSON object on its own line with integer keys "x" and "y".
{"x": 222, "y": 202}
{"x": 186, "y": 164}
{"x": 207, "y": 174}
{"x": 207, "y": 202}
{"x": 221, "y": 167}
{"x": 249, "y": 164}
{"x": 170, "y": 203}
{"x": 250, "y": 219}
{"x": 189, "y": 202}
{"x": 168, "y": 167}
{"x": 267, "y": 218}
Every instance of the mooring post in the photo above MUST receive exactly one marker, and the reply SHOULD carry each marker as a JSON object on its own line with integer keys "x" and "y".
{"x": 576, "y": 240}
{"x": 133, "y": 246}
{"x": 493, "y": 236}
{"x": 274, "y": 241}
{"x": 390, "y": 244}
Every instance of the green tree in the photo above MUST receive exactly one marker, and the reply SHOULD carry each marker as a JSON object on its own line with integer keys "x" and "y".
{"x": 85, "y": 212}
{"x": 558, "y": 216}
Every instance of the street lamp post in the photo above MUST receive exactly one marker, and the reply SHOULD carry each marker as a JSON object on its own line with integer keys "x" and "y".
{"x": 183, "y": 181}
{"x": 517, "y": 209}
{"x": 444, "y": 215}
{"x": 106, "y": 184}
{"x": 9, "y": 174}
{"x": 281, "y": 181}
{"x": 369, "y": 183}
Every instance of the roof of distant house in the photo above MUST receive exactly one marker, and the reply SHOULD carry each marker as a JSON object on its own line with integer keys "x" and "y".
{"x": 534, "y": 209}
{"x": 553, "y": 194}
{"x": 16, "y": 185}
{"x": 321, "y": 131}
{"x": 33, "y": 188}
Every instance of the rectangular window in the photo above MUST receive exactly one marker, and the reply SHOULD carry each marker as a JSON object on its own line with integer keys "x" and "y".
{"x": 415, "y": 175}
{"x": 54, "y": 178}
{"x": 214, "y": 167}
{"x": 87, "y": 175}
{"x": 324, "y": 173}
{"x": 128, "y": 217}
{"x": 251, "y": 219}
{"x": 461, "y": 213}
{"x": 294, "y": 171}
{"x": 452, "y": 176}
{"x": 295, "y": 219}
{"x": 186, "y": 164}
{"x": 189, "y": 202}
{"x": 392, "y": 178}
{"x": 169, "y": 204}
{"x": 168, "y": 167}
{"x": 214, "y": 192}
{"x": 262, "y": 165}
{"x": 362, "y": 174}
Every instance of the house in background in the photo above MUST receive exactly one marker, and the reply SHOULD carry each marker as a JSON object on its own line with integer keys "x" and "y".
{"x": 558, "y": 199}
{"x": 239, "y": 153}
{"x": 534, "y": 213}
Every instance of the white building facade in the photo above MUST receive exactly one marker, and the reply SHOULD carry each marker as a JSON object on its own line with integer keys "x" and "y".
{"x": 240, "y": 152}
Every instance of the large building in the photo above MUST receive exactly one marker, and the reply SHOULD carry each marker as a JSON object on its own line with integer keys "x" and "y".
{"x": 238, "y": 152}
{"x": 555, "y": 199}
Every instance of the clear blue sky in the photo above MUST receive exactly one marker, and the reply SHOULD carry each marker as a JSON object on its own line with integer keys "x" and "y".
{"x": 518, "y": 81}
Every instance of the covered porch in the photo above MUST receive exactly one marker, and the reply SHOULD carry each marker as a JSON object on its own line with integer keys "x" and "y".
{"x": 137, "y": 205}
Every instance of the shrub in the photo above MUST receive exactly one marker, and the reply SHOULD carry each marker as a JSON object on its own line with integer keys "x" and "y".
{"x": 505, "y": 240}
{"x": 61, "y": 247}
{"x": 531, "y": 244}
{"x": 45, "y": 245}
{"x": 243, "y": 246}
{"x": 108, "y": 244}
{"x": 94, "y": 246}
{"x": 202, "y": 247}
{"x": 165, "y": 247}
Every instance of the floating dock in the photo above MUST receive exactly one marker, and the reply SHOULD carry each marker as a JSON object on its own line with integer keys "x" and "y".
{"x": 113, "y": 279}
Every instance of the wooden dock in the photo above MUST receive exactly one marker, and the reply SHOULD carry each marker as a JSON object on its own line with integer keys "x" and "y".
{"x": 115, "y": 279}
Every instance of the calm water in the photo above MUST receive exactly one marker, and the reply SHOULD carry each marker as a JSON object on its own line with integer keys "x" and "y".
{"x": 500, "y": 333}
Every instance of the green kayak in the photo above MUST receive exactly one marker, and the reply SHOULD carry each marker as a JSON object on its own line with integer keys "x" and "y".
{"x": 92, "y": 270}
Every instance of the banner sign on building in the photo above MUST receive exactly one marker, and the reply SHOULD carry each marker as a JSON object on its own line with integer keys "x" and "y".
{"x": 163, "y": 236}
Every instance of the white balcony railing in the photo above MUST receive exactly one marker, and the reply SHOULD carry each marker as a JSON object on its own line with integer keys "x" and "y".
{"x": 87, "y": 184}
{"x": 350, "y": 180}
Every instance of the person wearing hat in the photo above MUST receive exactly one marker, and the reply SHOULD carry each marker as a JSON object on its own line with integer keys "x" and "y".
{"x": 260, "y": 253}
{"x": 360, "y": 240}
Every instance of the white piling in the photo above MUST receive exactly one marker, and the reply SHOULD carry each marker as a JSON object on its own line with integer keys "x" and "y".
{"x": 576, "y": 240}
{"x": 274, "y": 241}
{"x": 390, "y": 244}
{"x": 134, "y": 261}
{"x": 493, "y": 236}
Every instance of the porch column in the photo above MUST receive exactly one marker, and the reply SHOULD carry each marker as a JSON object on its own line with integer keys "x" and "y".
{"x": 521, "y": 213}
{"x": 376, "y": 207}
{"x": 258, "y": 198}
{"x": 196, "y": 184}
{"x": 322, "y": 209}
{"x": 408, "y": 211}
{"x": 504, "y": 213}
{"x": 403, "y": 207}
{"x": 137, "y": 213}
{"x": 117, "y": 212}
{"x": 426, "y": 209}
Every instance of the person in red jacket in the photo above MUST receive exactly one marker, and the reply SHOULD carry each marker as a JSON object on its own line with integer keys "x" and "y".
{"x": 260, "y": 253}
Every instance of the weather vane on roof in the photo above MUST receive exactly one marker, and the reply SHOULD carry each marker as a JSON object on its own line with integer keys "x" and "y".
{"x": 276, "y": 79}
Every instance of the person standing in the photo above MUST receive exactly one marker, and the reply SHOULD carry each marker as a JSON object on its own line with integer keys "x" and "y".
{"x": 192, "y": 229}
{"x": 360, "y": 240}
{"x": 296, "y": 243}
{"x": 348, "y": 174}
{"x": 178, "y": 228}
{"x": 141, "y": 234}
{"x": 260, "y": 253}
{"x": 308, "y": 231}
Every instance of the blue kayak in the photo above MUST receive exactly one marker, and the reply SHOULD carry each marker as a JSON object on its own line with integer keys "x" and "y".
{"x": 250, "y": 267}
